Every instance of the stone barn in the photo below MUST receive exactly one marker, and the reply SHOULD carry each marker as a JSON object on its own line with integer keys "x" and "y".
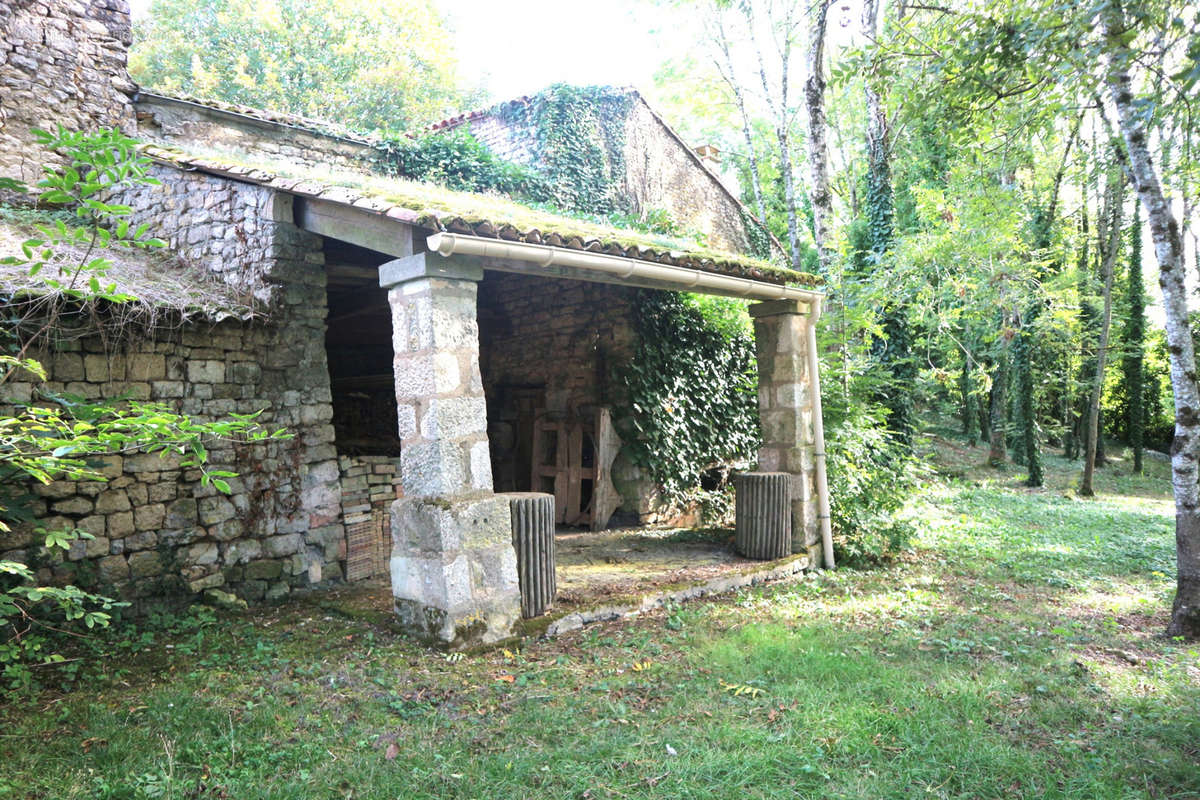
{"x": 430, "y": 350}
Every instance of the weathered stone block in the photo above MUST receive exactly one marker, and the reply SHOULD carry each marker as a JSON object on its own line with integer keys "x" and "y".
{"x": 120, "y": 524}
{"x": 215, "y": 509}
{"x": 145, "y": 564}
{"x": 226, "y": 531}
{"x": 149, "y": 517}
{"x": 147, "y": 367}
{"x": 206, "y": 371}
{"x": 263, "y": 570}
{"x": 182, "y": 513}
{"x": 286, "y": 545}
{"x": 74, "y": 505}
{"x": 454, "y": 572}
{"x": 202, "y": 554}
{"x": 113, "y": 569}
{"x": 111, "y": 501}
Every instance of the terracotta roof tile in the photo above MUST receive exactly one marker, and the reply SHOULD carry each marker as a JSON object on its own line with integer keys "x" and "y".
{"x": 437, "y": 209}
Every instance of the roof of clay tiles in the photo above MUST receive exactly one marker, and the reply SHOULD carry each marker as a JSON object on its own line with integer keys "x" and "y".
{"x": 435, "y": 208}
{"x": 596, "y": 238}
{"x": 320, "y": 126}
{"x": 154, "y": 280}
{"x": 450, "y": 123}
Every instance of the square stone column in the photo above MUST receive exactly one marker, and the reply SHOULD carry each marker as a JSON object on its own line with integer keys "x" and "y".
{"x": 785, "y": 409}
{"x": 453, "y": 566}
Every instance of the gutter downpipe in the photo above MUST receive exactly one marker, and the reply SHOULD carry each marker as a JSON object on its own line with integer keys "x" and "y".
{"x": 814, "y": 372}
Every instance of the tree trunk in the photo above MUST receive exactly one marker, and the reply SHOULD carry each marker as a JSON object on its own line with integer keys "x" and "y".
{"x": 1135, "y": 339}
{"x": 1116, "y": 205}
{"x": 985, "y": 417}
{"x": 728, "y": 74}
{"x": 998, "y": 453}
{"x": 894, "y": 351}
{"x": 1168, "y": 250}
{"x": 782, "y": 114}
{"x": 965, "y": 399}
{"x": 819, "y": 194}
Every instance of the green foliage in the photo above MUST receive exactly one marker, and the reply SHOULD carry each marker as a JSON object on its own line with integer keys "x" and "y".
{"x": 458, "y": 161}
{"x": 369, "y": 64}
{"x": 691, "y": 402}
{"x": 872, "y": 478}
{"x": 63, "y": 437}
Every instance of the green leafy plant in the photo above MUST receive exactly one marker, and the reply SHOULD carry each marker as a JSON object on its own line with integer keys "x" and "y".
{"x": 61, "y": 437}
{"x": 457, "y": 160}
{"x": 871, "y": 479}
{"x": 690, "y": 391}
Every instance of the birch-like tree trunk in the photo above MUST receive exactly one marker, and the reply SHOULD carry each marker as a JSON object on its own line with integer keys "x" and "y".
{"x": 728, "y": 74}
{"x": 1168, "y": 250}
{"x": 782, "y": 113}
{"x": 819, "y": 194}
{"x": 1114, "y": 210}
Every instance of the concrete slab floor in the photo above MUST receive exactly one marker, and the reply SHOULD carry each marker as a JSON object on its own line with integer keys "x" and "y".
{"x": 619, "y": 563}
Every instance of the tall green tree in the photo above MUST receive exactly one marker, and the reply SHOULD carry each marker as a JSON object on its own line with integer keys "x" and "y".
{"x": 1134, "y": 344}
{"x": 370, "y": 64}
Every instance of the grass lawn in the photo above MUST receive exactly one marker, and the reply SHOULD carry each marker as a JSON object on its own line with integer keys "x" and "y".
{"x": 1014, "y": 653}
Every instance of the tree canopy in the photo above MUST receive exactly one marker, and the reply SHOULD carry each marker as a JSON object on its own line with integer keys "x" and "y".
{"x": 370, "y": 64}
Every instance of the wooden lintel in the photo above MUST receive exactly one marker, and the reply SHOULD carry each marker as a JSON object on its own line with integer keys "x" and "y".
{"x": 358, "y": 226}
{"x": 354, "y": 272}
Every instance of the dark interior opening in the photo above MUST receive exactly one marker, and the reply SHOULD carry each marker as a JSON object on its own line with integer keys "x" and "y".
{"x": 358, "y": 343}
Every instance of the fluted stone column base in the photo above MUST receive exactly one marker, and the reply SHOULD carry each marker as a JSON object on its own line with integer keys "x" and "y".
{"x": 763, "y": 515}
{"x": 533, "y": 539}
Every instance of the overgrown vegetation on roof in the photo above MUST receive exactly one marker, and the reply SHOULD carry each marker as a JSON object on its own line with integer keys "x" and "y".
{"x": 484, "y": 214}
{"x": 139, "y": 288}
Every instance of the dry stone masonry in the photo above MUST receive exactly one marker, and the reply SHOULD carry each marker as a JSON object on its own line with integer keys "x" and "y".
{"x": 61, "y": 62}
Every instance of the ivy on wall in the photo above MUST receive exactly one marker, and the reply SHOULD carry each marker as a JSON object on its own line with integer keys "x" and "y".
{"x": 690, "y": 390}
{"x": 457, "y": 160}
{"x": 579, "y": 138}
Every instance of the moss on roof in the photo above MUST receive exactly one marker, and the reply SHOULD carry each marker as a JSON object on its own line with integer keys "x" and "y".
{"x": 437, "y": 208}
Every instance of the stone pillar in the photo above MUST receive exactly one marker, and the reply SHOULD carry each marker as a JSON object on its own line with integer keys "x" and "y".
{"x": 453, "y": 567}
{"x": 785, "y": 410}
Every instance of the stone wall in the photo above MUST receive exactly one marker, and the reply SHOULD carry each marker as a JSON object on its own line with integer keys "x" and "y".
{"x": 61, "y": 62}
{"x": 158, "y": 531}
{"x": 663, "y": 172}
{"x": 549, "y": 344}
{"x": 188, "y": 124}
{"x": 565, "y": 335}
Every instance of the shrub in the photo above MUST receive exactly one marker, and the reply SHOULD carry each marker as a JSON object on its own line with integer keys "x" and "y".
{"x": 871, "y": 479}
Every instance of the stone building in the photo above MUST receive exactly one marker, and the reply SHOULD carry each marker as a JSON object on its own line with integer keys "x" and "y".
{"x": 416, "y": 341}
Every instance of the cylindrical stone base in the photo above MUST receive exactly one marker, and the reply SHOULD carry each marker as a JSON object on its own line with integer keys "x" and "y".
{"x": 763, "y": 515}
{"x": 533, "y": 539}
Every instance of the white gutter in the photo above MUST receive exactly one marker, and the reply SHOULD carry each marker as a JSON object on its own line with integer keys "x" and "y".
{"x": 630, "y": 269}
{"x": 814, "y": 375}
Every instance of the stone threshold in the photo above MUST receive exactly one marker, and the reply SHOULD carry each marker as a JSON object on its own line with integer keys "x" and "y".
{"x": 553, "y": 624}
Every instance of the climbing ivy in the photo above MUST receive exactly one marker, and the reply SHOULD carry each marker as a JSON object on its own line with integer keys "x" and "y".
{"x": 758, "y": 241}
{"x": 579, "y": 137}
{"x": 457, "y": 160}
{"x": 690, "y": 390}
